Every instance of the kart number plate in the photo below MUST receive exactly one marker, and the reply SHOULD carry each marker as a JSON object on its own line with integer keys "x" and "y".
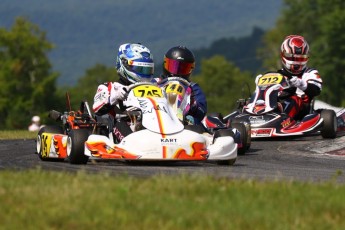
{"x": 46, "y": 144}
{"x": 270, "y": 79}
{"x": 147, "y": 91}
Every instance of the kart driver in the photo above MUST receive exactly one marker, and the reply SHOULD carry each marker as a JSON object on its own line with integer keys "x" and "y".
{"x": 305, "y": 82}
{"x": 179, "y": 61}
{"x": 134, "y": 63}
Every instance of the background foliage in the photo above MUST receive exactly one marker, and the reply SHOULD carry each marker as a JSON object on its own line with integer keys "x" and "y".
{"x": 29, "y": 83}
{"x": 88, "y": 32}
{"x": 223, "y": 83}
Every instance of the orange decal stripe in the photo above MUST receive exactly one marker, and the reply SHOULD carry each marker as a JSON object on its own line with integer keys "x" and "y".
{"x": 161, "y": 128}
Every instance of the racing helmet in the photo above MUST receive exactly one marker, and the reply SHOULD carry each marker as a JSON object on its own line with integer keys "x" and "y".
{"x": 294, "y": 54}
{"x": 178, "y": 61}
{"x": 134, "y": 63}
{"x": 35, "y": 119}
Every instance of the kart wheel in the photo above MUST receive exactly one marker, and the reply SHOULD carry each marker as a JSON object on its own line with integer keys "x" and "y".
{"x": 329, "y": 127}
{"x": 75, "y": 146}
{"x": 227, "y": 162}
{"x": 249, "y": 133}
{"x": 244, "y": 137}
{"x": 39, "y": 142}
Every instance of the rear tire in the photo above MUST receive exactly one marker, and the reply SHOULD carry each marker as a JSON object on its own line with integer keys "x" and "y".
{"x": 329, "y": 127}
{"x": 46, "y": 129}
{"x": 75, "y": 146}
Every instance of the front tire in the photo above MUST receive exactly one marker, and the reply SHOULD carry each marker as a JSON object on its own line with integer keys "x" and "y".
{"x": 75, "y": 146}
{"x": 329, "y": 127}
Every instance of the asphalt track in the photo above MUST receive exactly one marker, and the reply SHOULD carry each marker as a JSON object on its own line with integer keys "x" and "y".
{"x": 306, "y": 159}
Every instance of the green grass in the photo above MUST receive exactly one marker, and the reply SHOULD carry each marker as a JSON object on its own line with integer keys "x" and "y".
{"x": 17, "y": 134}
{"x": 39, "y": 199}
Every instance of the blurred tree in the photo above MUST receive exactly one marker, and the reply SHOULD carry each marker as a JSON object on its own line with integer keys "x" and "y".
{"x": 28, "y": 84}
{"x": 241, "y": 51}
{"x": 86, "y": 86}
{"x": 223, "y": 83}
{"x": 322, "y": 23}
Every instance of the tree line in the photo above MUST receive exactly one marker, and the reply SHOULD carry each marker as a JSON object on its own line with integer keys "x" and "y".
{"x": 28, "y": 84}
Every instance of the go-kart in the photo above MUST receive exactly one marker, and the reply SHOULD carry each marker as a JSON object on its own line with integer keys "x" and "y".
{"x": 179, "y": 93}
{"x": 264, "y": 112}
{"x": 158, "y": 134}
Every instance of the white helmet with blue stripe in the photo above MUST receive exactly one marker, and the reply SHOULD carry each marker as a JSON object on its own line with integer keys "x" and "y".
{"x": 134, "y": 63}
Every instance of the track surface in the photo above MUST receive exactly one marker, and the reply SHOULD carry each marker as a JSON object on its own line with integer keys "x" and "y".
{"x": 303, "y": 159}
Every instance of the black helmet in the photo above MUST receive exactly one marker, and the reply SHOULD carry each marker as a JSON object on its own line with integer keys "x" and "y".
{"x": 178, "y": 61}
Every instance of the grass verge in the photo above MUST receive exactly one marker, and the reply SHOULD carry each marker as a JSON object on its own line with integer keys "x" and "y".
{"x": 17, "y": 134}
{"x": 38, "y": 199}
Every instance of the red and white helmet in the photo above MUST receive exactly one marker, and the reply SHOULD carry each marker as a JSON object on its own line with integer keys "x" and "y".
{"x": 294, "y": 53}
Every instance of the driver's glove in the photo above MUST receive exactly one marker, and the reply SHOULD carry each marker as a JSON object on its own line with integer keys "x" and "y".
{"x": 118, "y": 92}
{"x": 190, "y": 120}
{"x": 299, "y": 83}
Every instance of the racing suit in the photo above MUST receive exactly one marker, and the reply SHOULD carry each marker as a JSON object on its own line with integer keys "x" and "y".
{"x": 304, "y": 87}
{"x": 108, "y": 101}
{"x": 198, "y": 107}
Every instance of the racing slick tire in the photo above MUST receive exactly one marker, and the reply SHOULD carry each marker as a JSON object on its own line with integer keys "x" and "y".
{"x": 224, "y": 133}
{"x": 329, "y": 127}
{"x": 46, "y": 129}
{"x": 75, "y": 146}
{"x": 249, "y": 135}
{"x": 244, "y": 137}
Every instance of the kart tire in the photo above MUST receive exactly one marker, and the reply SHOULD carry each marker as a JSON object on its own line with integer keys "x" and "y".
{"x": 75, "y": 146}
{"x": 46, "y": 129}
{"x": 329, "y": 127}
{"x": 249, "y": 133}
{"x": 249, "y": 137}
{"x": 244, "y": 137}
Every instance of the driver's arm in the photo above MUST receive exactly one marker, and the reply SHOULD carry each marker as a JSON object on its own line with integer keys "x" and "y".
{"x": 101, "y": 104}
{"x": 314, "y": 83}
{"x": 198, "y": 104}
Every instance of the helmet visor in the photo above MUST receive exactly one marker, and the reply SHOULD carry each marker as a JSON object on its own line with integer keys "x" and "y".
{"x": 296, "y": 57}
{"x": 141, "y": 68}
{"x": 178, "y": 67}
